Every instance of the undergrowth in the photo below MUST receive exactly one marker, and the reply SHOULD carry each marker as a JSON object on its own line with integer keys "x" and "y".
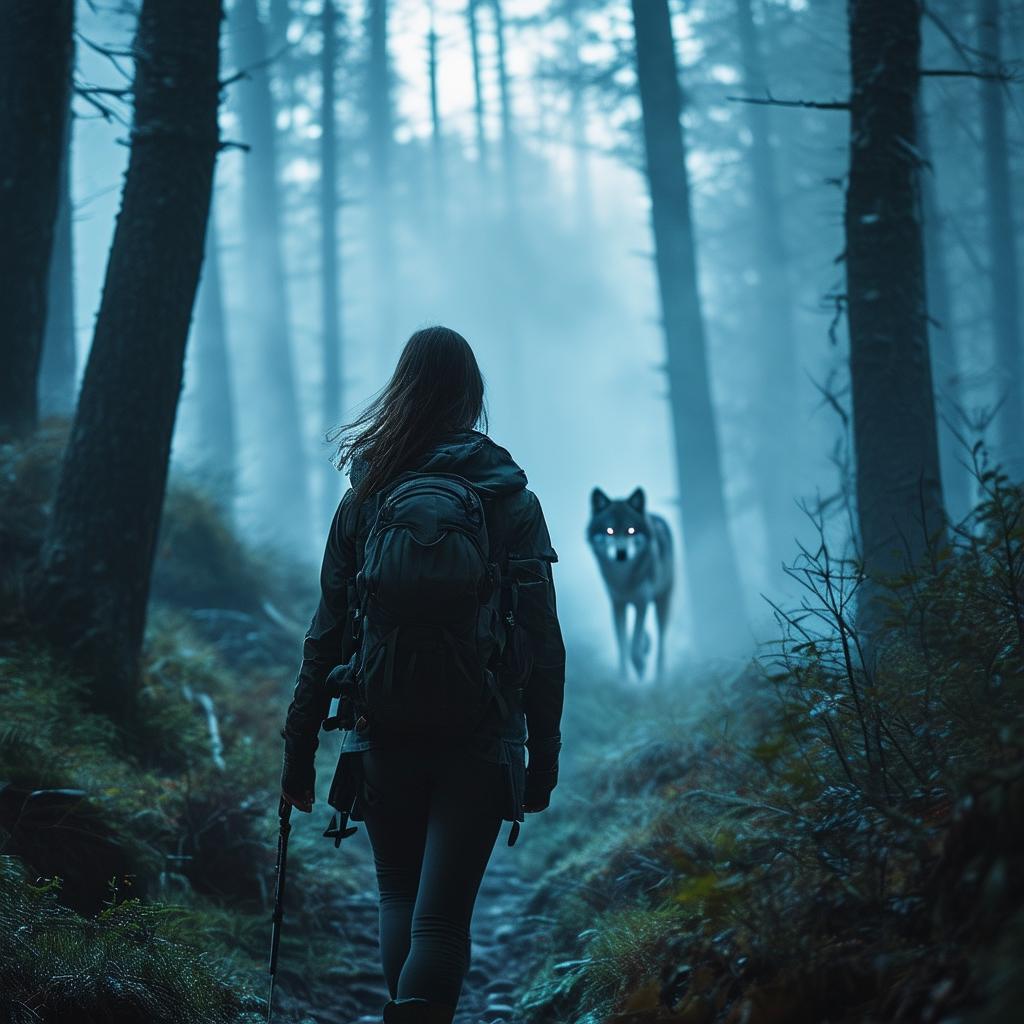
{"x": 132, "y": 962}
{"x": 136, "y": 859}
{"x": 836, "y": 838}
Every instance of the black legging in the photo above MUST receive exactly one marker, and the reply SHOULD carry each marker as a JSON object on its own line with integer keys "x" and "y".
{"x": 432, "y": 815}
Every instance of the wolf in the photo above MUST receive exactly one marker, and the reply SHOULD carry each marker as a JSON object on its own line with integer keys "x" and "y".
{"x": 634, "y": 552}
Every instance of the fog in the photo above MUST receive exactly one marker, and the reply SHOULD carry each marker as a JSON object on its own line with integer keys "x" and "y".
{"x": 539, "y": 251}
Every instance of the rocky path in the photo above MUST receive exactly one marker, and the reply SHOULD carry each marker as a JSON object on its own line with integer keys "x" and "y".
{"x": 500, "y": 955}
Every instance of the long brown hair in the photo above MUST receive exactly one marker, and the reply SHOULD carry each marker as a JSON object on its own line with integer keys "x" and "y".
{"x": 436, "y": 389}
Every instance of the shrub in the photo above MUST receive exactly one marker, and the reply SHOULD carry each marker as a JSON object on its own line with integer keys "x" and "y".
{"x": 839, "y": 838}
{"x": 124, "y": 966}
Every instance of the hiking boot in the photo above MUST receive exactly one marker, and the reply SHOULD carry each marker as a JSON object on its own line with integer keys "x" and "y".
{"x": 417, "y": 1011}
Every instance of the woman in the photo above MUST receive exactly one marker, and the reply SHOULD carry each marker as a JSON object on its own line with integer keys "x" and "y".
{"x": 439, "y": 720}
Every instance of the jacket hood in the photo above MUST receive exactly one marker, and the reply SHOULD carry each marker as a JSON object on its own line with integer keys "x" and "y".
{"x": 472, "y": 455}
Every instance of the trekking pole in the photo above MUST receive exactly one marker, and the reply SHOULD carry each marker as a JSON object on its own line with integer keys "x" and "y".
{"x": 285, "y": 811}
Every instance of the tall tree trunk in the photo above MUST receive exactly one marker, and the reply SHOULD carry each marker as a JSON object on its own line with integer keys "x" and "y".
{"x": 509, "y": 149}
{"x": 381, "y": 142}
{"x": 281, "y": 489}
{"x": 98, "y": 554}
{"x": 438, "y": 189}
{"x": 899, "y": 489}
{"x": 280, "y": 52}
{"x": 59, "y": 361}
{"x": 1004, "y": 272}
{"x": 479, "y": 109}
{"x": 329, "y": 273}
{"x": 956, "y": 481}
{"x": 584, "y": 203}
{"x": 712, "y": 573}
{"x": 35, "y": 79}
{"x": 214, "y": 392}
{"x": 776, "y": 448}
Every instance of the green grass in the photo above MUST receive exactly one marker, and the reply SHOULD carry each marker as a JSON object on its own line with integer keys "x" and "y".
{"x": 131, "y": 962}
{"x": 136, "y": 859}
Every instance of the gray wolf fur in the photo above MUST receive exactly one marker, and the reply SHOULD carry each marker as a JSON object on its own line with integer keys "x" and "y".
{"x": 633, "y": 548}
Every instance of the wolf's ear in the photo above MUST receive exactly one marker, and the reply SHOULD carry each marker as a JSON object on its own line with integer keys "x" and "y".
{"x": 599, "y": 501}
{"x": 637, "y": 500}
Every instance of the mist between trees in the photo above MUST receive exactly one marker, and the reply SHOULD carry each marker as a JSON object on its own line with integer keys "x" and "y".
{"x": 671, "y": 231}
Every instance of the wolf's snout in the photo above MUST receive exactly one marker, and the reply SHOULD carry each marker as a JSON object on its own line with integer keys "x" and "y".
{"x": 620, "y": 555}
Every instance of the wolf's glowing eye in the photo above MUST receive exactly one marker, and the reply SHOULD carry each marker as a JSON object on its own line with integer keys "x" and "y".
{"x": 631, "y": 530}
{"x": 609, "y": 531}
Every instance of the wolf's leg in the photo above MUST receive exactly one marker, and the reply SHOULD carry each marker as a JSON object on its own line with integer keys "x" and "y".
{"x": 662, "y": 603}
{"x": 640, "y": 642}
{"x": 619, "y": 617}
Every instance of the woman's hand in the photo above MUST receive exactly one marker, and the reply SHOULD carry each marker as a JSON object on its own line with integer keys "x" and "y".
{"x": 541, "y": 773}
{"x": 303, "y": 803}
{"x": 298, "y": 775}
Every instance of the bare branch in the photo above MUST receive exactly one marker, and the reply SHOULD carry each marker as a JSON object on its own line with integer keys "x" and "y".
{"x": 1002, "y": 75}
{"x": 770, "y": 101}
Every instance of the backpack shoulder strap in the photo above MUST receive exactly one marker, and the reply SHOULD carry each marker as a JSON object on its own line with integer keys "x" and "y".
{"x": 496, "y": 519}
{"x": 363, "y": 516}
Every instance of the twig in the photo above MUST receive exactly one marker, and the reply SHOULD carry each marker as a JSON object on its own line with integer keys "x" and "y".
{"x": 988, "y": 76}
{"x": 770, "y": 101}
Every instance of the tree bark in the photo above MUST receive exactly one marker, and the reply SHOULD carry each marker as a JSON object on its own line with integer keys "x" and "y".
{"x": 98, "y": 553}
{"x": 956, "y": 480}
{"x": 380, "y": 124}
{"x": 479, "y": 110}
{"x": 214, "y": 392}
{"x": 59, "y": 360}
{"x": 509, "y": 149}
{"x": 281, "y": 489}
{"x": 1004, "y": 274}
{"x": 439, "y": 197}
{"x": 777, "y": 449}
{"x": 35, "y": 79}
{"x": 712, "y": 574}
{"x": 899, "y": 490}
{"x": 329, "y": 271}
{"x": 584, "y": 203}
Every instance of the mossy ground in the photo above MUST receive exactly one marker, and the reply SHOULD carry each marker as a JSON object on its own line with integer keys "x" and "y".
{"x": 137, "y": 858}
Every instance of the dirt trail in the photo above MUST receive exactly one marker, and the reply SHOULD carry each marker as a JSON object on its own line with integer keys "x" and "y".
{"x": 500, "y": 953}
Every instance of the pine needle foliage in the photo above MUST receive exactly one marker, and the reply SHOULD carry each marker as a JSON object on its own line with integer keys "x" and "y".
{"x": 124, "y": 965}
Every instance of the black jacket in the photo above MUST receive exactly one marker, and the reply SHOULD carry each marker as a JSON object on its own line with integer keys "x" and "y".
{"x": 517, "y": 532}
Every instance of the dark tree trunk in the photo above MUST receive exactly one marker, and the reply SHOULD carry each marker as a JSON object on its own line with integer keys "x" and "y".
{"x": 776, "y": 448}
{"x": 329, "y": 272}
{"x": 956, "y": 480}
{"x": 214, "y": 393}
{"x": 281, "y": 53}
{"x": 578, "y": 123}
{"x": 98, "y": 554}
{"x": 439, "y": 184}
{"x": 479, "y": 110}
{"x": 899, "y": 490}
{"x": 509, "y": 149}
{"x": 380, "y": 117}
{"x": 35, "y": 78}
{"x": 1002, "y": 243}
{"x": 712, "y": 573}
{"x": 59, "y": 360}
{"x": 281, "y": 488}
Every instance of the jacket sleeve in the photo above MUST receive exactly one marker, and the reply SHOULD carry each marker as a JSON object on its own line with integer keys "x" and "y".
{"x": 322, "y": 647}
{"x": 530, "y": 560}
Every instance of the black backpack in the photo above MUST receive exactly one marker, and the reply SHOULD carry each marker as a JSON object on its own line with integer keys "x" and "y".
{"x": 429, "y": 600}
